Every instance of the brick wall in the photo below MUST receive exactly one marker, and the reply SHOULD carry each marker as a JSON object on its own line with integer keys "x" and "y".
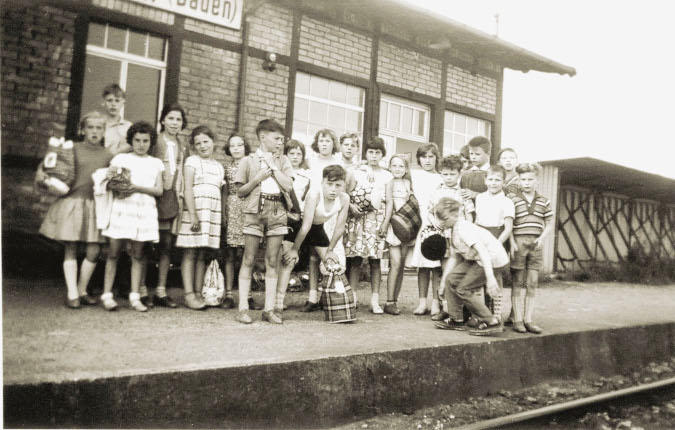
{"x": 209, "y": 80}
{"x": 137, "y": 9}
{"x": 474, "y": 91}
{"x": 266, "y": 96}
{"x": 271, "y": 29}
{"x": 409, "y": 70}
{"x": 212, "y": 30}
{"x": 335, "y": 48}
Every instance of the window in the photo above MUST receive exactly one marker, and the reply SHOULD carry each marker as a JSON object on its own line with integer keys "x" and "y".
{"x": 135, "y": 60}
{"x": 404, "y": 126}
{"x": 459, "y": 129}
{"x": 321, "y": 103}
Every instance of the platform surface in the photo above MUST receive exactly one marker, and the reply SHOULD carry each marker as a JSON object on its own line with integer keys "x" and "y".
{"x": 43, "y": 341}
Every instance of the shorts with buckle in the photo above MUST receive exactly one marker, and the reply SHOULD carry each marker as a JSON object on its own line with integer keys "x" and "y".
{"x": 271, "y": 219}
{"x": 526, "y": 257}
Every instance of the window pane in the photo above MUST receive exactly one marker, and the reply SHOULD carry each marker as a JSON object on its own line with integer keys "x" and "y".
{"x": 336, "y": 117}
{"x": 301, "y": 111}
{"x": 447, "y": 143}
{"x": 318, "y": 113}
{"x": 355, "y": 96}
{"x": 142, "y": 93}
{"x": 460, "y": 123}
{"x": 311, "y": 132}
{"x": 156, "y": 48}
{"x": 422, "y": 124}
{"x": 472, "y": 127}
{"x": 383, "y": 114}
{"x": 459, "y": 141}
{"x": 300, "y": 130}
{"x": 98, "y": 73}
{"x": 137, "y": 42}
{"x": 407, "y": 120}
{"x": 116, "y": 38}
{"x": 338, "y": 92}
{"x": 354, "y": 121}
{"x": 394, "y": 117}
{"x": 96, "y": 35}
{"x": 302, "y": 83}
{"x": 319, "y": 88}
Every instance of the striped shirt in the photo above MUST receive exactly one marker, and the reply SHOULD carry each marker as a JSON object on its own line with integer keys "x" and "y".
{"x": 530, "y": 216}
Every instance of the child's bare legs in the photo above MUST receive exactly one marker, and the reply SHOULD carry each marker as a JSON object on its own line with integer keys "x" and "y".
{"x": 375, "y": 281}
{"x": 517, "y": 306}
{"x": 165, "y": 246}
{"x": 271, "y": 271}
{"x": 532, "y": 283}
{"x": 394, "y": 278}
{"x": 313, "y": 270}
{"x": 230, "y": 255}
{"x": 436, "y": 274}
{"x": 137, "y": 271}
{"x": 251, "y": 243}
{"x": 285, "y": 271}
{"x": 423, "y": 276}
{"x": 354, "y": 264}
{"x": 187, "y": 271}
{"x": 70, "y": 271}
{"x": 87, "y": 270}
{"x": 110, "y": 272}
{"x": 200, "y": 270}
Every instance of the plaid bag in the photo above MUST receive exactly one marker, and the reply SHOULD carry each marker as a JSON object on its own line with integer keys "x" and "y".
{"x": 406, "y": 222}
{"x": 338, "y": 300}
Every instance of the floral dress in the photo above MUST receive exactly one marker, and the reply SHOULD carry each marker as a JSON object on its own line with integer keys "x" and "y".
{"x": 361, "y": 238}
{"x": 235, "y": 207}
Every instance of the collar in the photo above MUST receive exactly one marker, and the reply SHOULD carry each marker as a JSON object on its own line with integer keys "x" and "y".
{"x": 492, "y": 196}
{"x": 483, "y": 168}
{"x": 120, "y": 121}
{"x": 456, "y": 187}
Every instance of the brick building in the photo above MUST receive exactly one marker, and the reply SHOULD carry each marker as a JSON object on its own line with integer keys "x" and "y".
{"x": 379, "y": 67}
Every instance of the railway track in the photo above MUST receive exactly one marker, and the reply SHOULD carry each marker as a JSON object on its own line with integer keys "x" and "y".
{"x": 539, "y": 417}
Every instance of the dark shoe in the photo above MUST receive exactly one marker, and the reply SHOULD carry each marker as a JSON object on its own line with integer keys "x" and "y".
{"x": 450, "y": 324}
{"x": 270, "y": 316}
{"x": 485, "y": 329}
{"x": 440, "y": 316}
{"x": 310, "y": 307}
{"x": 147, "y": 301}
{"x": 519, "y": 327}
{"x": 88, "y": 300}
{"x": 165, "y": 302}
{"x": 73, "y": 304}
{"x": 533, "y": 328}
{"x": 509, "y": 322}
{"x": 472, "y": 322}
{"x": 391, "y": 309}
{"x": 253, "y": 306}
{"x": 228, "y": 303}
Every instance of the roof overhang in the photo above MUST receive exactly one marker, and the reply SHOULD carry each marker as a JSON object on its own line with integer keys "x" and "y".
{"x": 600, "y": 175}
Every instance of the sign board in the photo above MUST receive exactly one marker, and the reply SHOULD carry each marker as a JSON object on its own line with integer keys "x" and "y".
{"x": 226, "y": 13}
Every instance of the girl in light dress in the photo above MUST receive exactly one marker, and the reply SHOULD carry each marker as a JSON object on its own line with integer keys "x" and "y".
{"x": 426, "y": 182}
{"x": 202, "y": 215}
{"x": 325, "y": 146}
{"x": 398, "y": 192}
{"x": 71, "y": 219}
{"x": 362, "y": 239}
{"x": 134, "y": 218}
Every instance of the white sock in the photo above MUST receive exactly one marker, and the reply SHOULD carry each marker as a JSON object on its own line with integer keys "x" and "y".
{"x": 143, "y": 291}
{"x": 106, "y": 296}
{"x": 244, "y": 293}
{"x": 516, "y": 304}
{"x": 435, "y": 306}
{"x": 160, "y": 291}
{"x": 270, "y": 293}
{"x": 70, "y": 274}
{"x": 281, "y": 295}
{"x": 423, "y": 302}
{"x": 529, "y": 307}
{"x": 445, "y": 305}
{"x": 375, "y": 299}
{"x": 313, "y": 296}
{"x": 134, "y": 297}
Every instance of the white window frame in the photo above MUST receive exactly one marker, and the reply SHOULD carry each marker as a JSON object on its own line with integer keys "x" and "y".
{"x": 466, "y": 135}
{"x": 126, "y": 58}
{"x": 389, "y": 135}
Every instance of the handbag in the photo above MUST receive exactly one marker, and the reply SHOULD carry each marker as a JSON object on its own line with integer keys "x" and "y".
{"x": 56, "y": 173}
{"x": 119, "y": 181}
{"x": 407, "y": 221}
{"x": 214, "y": 285}
{"x": 433, "y": 244}
{"x": 338, "y": 300}
{"x": 167, "y": 203}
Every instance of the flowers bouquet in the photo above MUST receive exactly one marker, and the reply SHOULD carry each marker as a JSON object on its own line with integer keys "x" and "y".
{"x": 119, "y": 181}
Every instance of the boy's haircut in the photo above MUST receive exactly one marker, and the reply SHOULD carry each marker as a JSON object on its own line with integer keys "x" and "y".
{"x": 247, "y": 146}
{"x": 446, "y": 207}
{"x": 498, "y": 170}
{"x": 481, "y": 142}
{"x": 296, "y": 144}
{"x": 506, "y": 150}
{"x": 429, "y": 147}
{"x": 115, "y": 90}
{"x": 270, "y": 126}
{"x": 452, "y": 162}
{"x": 94, "y": 114}
{"x": 334, "y": 173}
{"x": 201, "y": 129}
{"x": 329, "y": 133}
{"x": 377, "y": 143}
{"x": 142, "y": 127}
{"x": 464, "y": 152}
{"x": 170, "y": 108}
{"x": 529, "y": 168}
{"x": 352, "y": 136}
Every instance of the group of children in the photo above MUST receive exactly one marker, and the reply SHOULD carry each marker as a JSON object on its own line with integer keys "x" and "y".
{"x": 336, "y": 209}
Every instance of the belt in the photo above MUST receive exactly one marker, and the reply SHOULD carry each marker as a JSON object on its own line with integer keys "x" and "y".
{"x": 271, "y": 197}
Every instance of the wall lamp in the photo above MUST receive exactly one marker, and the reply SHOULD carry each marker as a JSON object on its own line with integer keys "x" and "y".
{"x": 270, "y": 63}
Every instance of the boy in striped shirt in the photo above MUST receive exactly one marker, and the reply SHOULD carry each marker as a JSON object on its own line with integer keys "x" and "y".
{"x": 533, "y": 222}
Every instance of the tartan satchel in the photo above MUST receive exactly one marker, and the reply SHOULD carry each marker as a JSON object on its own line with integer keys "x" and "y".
{"x": 338, "y": 300}
{"x": 407, "y": 221}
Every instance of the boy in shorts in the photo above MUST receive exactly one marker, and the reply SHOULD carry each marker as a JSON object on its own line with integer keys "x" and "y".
{"x": 532, "y": 223}
{"x": 263, "y": 177}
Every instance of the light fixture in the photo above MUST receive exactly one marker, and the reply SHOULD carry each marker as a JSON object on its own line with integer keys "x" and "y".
{"x": 270, "y": 62}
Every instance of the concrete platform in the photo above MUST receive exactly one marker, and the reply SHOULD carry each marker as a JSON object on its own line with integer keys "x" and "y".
{"x": 181, "y": 368}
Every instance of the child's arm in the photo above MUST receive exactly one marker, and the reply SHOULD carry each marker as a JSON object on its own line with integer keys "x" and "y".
{"x": 491, "y": 285}
{"x": 389, "y": 209}
{"x": 514, "y": 245}
{"x": 339, "y": 230}
{"x": 508, "y": 228}
{"x": 189, "y": 173}
{"x": 284, "y": 175}
{"x": 291, "y": 256}
{"x": 155, "y": 191}
{"x": 548, "y": 227}
{"x": 245, "y": 189}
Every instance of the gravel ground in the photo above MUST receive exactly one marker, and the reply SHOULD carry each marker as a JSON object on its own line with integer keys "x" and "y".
{"x": 652, "y": 415}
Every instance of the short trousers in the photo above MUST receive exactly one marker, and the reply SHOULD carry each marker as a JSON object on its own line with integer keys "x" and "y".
{"x": 317, "y": 236}
{"x": 272, "y": 220}
{"x": 496, "y": 232}
{"x": 526, "y": 257}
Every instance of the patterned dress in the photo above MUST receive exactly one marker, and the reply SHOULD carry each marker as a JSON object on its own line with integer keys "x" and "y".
{"x": 209, "y": 176}
{"x": 135, "y": 217}
{"x": 400, "y": 192}
{"x": 361, "y": 238}
{"x": 235, "y": 207}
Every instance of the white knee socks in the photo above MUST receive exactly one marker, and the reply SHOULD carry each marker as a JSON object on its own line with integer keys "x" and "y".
{"x": 70, "y": 274}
